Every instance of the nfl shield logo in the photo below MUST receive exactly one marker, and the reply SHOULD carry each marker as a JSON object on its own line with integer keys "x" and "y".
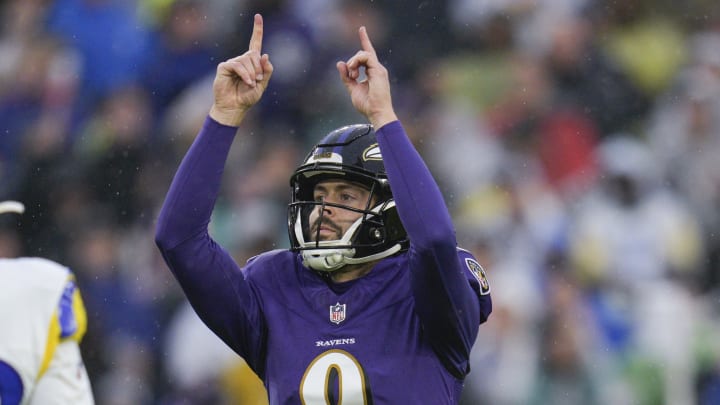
{"x": 337, "y": 313}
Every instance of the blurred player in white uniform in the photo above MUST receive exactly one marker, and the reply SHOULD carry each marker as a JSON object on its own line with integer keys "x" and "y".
{"x": 42, "y": 320}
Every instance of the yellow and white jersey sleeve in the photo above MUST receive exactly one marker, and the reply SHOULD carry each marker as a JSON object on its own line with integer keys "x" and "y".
{"x": 42, "y": 321}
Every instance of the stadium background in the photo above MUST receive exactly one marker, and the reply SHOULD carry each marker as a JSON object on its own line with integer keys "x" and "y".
{"x": 576, "y": 142}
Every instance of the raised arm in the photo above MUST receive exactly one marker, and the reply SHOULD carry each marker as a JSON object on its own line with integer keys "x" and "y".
{"x": 445, "y": 302}
{"x": 208, "y": 275}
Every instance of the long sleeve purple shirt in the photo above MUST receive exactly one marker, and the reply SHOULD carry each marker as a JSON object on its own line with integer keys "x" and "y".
{"x": 401, "y": 334}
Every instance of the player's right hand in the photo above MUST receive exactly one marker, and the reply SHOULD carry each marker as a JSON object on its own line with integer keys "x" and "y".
{"x": 240, "y": 81}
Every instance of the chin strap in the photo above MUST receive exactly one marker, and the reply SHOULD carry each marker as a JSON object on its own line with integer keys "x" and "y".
{"x": 329, "y": 260}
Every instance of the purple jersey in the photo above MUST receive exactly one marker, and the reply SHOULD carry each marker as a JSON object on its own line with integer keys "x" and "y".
{"x": 400, "y": 334}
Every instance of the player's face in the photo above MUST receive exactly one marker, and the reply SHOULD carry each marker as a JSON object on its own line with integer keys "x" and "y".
{"x": 335, "y": 221}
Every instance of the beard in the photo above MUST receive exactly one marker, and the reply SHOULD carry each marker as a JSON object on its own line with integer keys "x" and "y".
{"x": 327, "y": 224}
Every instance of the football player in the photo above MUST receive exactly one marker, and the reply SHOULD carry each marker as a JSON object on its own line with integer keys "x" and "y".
{"x": 374, "y": 302}
{"x": 42, "y": 321}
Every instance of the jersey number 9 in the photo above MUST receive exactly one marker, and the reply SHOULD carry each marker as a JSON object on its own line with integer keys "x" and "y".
{"x": 331, "y": 370}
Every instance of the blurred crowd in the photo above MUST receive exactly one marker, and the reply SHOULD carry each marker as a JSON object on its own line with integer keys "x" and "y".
{"x": 577, "y": 143}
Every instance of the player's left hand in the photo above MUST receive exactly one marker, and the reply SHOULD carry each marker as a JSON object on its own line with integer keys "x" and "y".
{"x": 371, "y": 96}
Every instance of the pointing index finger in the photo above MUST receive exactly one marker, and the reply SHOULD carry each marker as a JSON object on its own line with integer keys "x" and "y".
{"x": 365, "y": 40}
{"x": 257, "y": 34}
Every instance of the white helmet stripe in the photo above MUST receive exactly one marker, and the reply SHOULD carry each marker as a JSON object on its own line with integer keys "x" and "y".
{"x": 12, "y": 206}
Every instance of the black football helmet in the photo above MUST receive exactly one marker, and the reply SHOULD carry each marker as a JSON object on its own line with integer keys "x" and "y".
{"x": 348, "y": 153}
